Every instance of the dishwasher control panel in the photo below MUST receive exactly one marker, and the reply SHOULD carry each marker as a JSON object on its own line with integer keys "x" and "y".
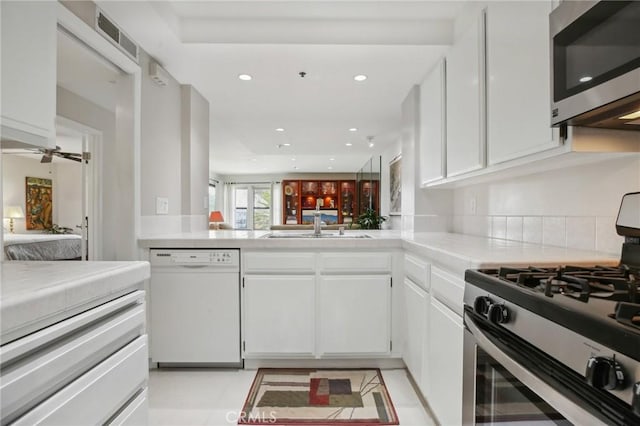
{"x": 202, "y": 257}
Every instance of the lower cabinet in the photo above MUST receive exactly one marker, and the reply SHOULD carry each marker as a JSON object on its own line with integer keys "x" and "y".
{"x": 354, "y": 314}
{"x": 444, "y": 357}
{"x": 417, "y": 302}
{"x": 279, "y": 315}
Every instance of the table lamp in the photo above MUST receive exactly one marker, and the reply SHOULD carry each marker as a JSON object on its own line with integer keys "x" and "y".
{"x": 13, "y": 212}
{"x": 215, "y": 218}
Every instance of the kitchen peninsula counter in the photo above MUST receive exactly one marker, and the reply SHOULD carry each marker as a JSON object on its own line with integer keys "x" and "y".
{"x": 34, "y": 295}
{"x": 455, "y": 251}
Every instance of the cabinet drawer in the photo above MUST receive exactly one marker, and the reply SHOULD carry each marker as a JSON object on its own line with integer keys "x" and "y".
{"x": 97, "y": 395}
{"x": 49, "y": 362}
{"x": 136, "y": 412}
{"x": 281, "y": 262}
{"x": 417, "y": 271}
{"x": 448, "y": 289}
{"x": 355, "y": 262}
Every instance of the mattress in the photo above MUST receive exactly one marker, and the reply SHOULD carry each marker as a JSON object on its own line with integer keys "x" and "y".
{"x": 42, "y": 246}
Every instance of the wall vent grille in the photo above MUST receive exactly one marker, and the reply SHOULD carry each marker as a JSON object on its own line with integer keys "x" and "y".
{"x": 112, "y": 33}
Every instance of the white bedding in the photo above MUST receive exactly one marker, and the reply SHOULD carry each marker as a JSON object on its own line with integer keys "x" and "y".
{"x": 42, "y": 246}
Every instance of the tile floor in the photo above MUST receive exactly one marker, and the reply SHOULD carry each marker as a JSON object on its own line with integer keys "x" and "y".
{"x": 180, "y": 397}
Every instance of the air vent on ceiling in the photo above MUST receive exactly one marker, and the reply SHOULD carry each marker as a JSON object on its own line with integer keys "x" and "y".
{"x": 115, "y": 35}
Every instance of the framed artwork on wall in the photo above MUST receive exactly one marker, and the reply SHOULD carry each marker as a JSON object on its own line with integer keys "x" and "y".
{"x": 39, "y": 203}
{"x": 395, "y": 183}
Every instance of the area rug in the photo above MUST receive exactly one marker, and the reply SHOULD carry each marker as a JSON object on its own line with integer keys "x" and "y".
{"x": 318, "y": 397}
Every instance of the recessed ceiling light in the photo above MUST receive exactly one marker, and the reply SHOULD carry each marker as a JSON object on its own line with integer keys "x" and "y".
{"x": 279, "y": 129}
{"x": 631, "y": 116}
{"x": 353, "y": 129}
{"x": 329, "y": 167}
{"x": 286, "y": 144}
{"x": 585, "y": 79}
{"x": 371, "y": 144}
{"x": 348, "y": 144}
{"x": 244, "y": 77}
{"x": 360, "y": 77}
{"x": 293, "y": 159}
{"x": 332, "y": 159}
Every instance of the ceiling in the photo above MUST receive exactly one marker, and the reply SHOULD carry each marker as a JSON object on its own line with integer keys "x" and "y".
{"x": 209, "y": 43}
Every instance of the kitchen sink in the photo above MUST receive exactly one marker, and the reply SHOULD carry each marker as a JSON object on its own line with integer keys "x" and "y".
{"x": 311, "y": 235}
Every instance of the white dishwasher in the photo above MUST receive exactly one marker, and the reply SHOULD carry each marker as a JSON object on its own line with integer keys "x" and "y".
{"x": 195, "y": 306}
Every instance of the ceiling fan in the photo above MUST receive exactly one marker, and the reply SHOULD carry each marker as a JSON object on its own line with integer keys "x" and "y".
{"x": 48, "y": 154}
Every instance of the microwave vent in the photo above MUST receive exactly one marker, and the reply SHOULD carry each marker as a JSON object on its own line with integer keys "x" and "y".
{"x": 114, "y": 34}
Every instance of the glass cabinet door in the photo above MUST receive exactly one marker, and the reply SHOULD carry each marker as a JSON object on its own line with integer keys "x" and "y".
{"x": 347, "y": 201}
{"x": 291, "y": 203}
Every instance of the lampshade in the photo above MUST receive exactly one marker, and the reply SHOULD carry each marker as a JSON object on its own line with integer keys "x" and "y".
{"x": 216, "y": 216}
{"x": 13, "y": 212}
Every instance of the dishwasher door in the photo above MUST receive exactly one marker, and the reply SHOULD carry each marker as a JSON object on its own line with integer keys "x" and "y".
{"x": 195, "y": 306}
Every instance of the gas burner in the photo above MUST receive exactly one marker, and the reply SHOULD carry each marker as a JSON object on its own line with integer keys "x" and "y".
{"x": 579, "y": 282}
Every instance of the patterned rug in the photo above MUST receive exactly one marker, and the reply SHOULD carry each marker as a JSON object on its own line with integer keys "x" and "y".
{"x": 318, "y": 397}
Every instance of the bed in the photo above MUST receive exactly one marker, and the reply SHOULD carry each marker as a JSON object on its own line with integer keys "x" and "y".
{"x": 42, "y": 247}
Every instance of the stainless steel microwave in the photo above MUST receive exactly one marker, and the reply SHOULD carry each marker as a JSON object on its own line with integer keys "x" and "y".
{"x": 595, "y": 64}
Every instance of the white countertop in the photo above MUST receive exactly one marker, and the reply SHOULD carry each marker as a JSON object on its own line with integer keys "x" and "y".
{"x": 454, "y": 251}
{"x": 36, "y": 294}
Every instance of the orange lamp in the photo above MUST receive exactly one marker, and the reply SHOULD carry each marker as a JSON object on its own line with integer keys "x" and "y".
{"x": 216, "y": 217}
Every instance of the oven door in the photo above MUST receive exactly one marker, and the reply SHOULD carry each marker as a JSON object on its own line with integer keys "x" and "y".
{"x": 499, "y": 388}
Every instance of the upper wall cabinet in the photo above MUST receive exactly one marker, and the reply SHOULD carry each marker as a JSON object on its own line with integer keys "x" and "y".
{"x": 28, "y": 72}
{"x": 465, "y": 101}
{"x": 518, "y": 94}
{"x": 432, "y": 151}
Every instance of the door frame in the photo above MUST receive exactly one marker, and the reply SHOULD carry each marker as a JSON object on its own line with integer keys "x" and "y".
{"x": 126, "y": 221}
{"x": 94, "y": 140}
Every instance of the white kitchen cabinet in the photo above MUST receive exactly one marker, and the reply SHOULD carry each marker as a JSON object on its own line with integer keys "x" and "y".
{"x": 445, "y": 363}
{"x": 432, "y": 145}
{"x": 465, "y": 101}
{"x": 354, "y": 315}
{"x": 417, "y": 302}
{"x": 518, "y": 85}
{"x": 279, "y": 315}
{"x": 28, "y": 89}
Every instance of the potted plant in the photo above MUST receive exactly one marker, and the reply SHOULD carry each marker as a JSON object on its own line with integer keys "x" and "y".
{"x": 370, "y": 219}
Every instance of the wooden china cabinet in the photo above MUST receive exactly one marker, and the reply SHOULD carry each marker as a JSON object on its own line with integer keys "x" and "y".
{"x": 299, "y": 199}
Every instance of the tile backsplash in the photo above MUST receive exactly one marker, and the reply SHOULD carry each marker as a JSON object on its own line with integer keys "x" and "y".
{"x": 581, "y": 232}
{"x": 574, "y": 207}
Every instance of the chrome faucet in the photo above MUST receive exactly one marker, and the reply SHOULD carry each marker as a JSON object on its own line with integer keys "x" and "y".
{"x": 316, "y": 219}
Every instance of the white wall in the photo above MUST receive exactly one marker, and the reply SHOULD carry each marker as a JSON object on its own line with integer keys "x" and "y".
{"x": 160, "y": 150}
{"x": 574, "y": 207}
{"x": 113, "y": 183}
{"x": 195, "y": 149}
{"x": 422, "y": 209}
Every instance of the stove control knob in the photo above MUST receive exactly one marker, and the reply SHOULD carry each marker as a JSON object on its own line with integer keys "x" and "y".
{"x": 482, "y": 305}
{"x": 635, "y": 401}
{"x": 604, "y": 373}
{"x": 498, "y": 314}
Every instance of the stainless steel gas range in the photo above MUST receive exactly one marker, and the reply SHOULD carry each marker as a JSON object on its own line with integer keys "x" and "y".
{"x": 556, "y": 345}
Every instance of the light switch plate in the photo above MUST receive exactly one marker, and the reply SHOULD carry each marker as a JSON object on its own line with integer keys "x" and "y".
{"x": 162, "y": 205}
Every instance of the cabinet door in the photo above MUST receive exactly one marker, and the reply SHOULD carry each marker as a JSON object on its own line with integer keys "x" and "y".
{"x": 278, "y": 315}
{"x": 518, "y": 94}
{"x": 415, "y": 350}
{"x": 465, "y": 98}
{"x": 444, "y": 364}
{"x": 432, "y": 150}
{"x": 29, "y": 72}
{"x": 354, "y": 315}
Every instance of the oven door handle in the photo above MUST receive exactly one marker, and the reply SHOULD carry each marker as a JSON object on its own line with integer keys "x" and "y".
{"x": 569, "y": 409}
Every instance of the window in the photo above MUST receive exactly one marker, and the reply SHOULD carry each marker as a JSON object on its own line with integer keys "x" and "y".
{"x": 212, "y": 197}
{"x": 252, "y": 207}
